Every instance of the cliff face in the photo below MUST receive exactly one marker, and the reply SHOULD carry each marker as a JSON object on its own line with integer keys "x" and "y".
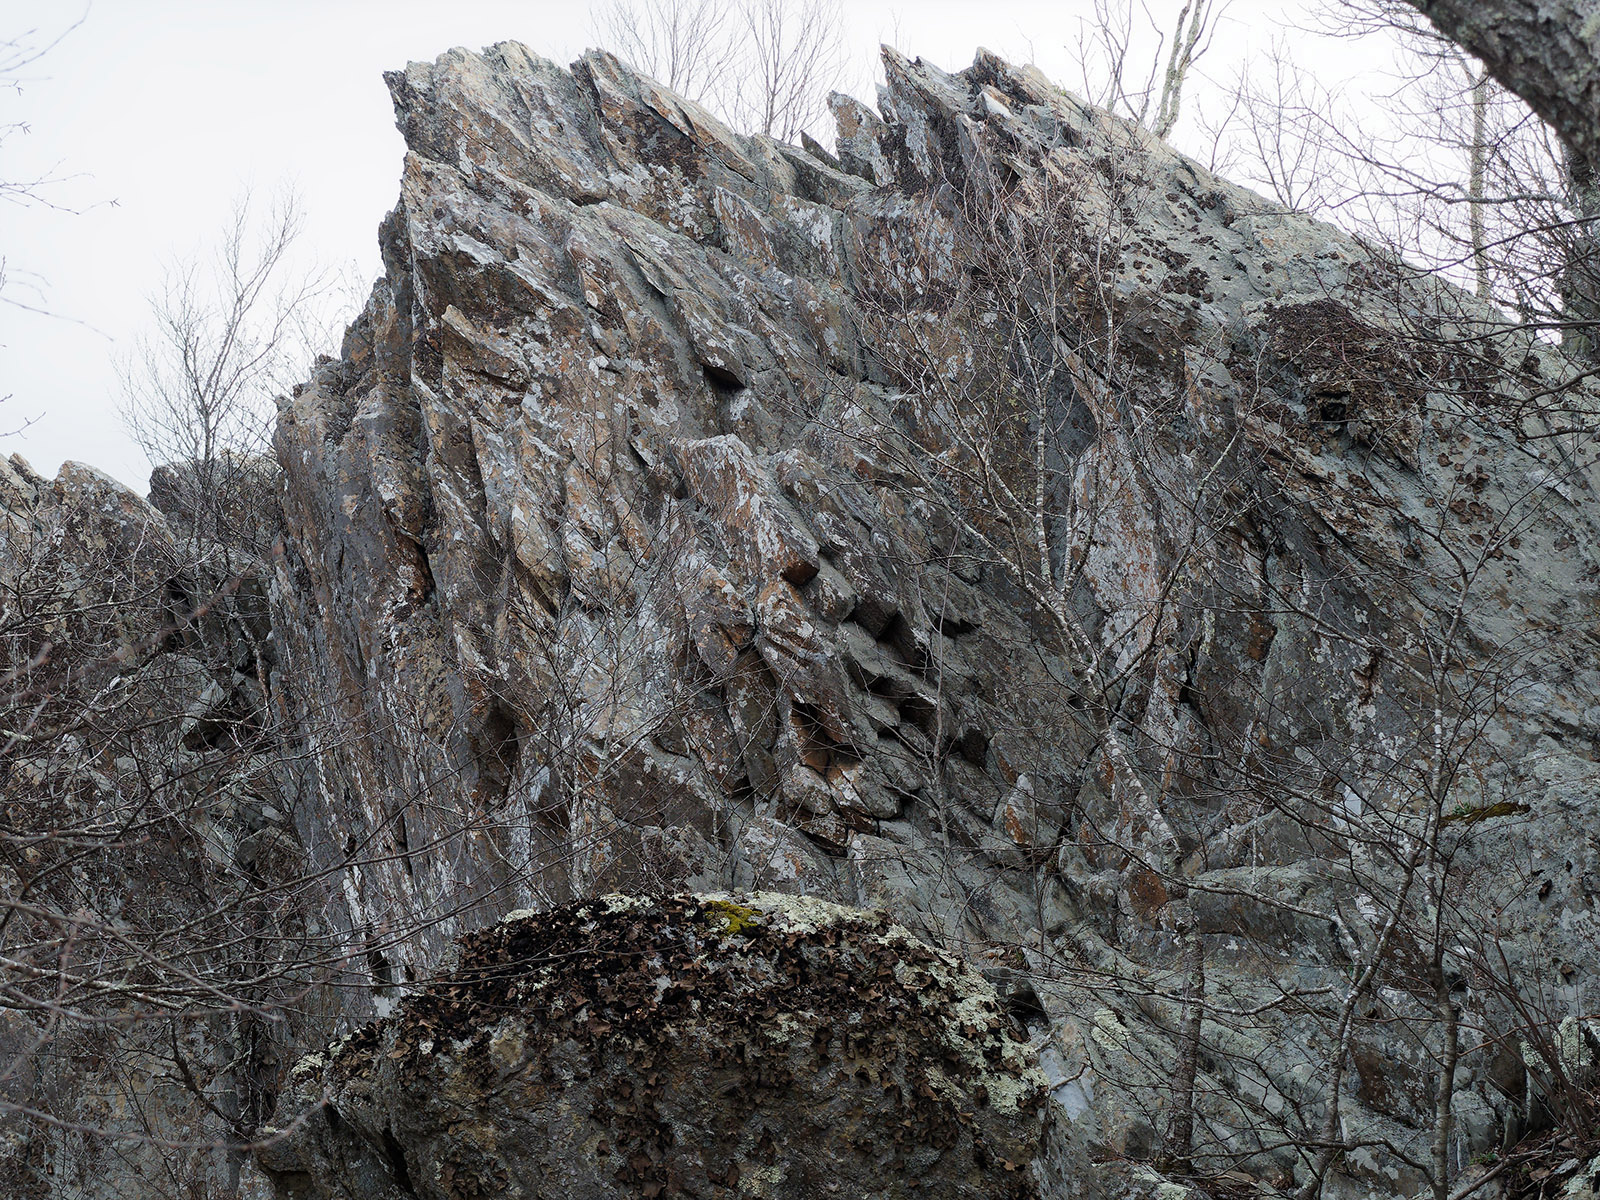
{"x": 1156, "y": 598}
{"x": 143, "y": 848}
{"x": 610, "y": 537}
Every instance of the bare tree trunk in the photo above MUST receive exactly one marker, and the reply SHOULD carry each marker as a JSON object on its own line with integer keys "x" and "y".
{"x": 1580, "y": 304}
{"x": 1179, "y": 1143}
{"x": 1106, "y": 41}
{"x": 1443, "y": 1113}
{"x": 793, "y": 56}
{"x": 1479, "y": 159}
{"x": 681, "y": 43}
{"x": 1185, "y": 42}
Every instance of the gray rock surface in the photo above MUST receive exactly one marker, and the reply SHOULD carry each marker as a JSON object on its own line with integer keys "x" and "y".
{"x": 614, "y": 561}
{"x": 598, "y": 536}
{"x": 142, "y": 795}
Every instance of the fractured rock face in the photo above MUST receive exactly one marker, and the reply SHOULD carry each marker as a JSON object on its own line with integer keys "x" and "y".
{"x": 753, "y": 1045}
{"x": 674, "y": 518}
{"x": 142, "y": 792}
{"x": 634, "y": 543}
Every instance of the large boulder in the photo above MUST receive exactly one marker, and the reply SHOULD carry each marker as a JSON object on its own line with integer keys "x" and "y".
{"x": 760, "y": 1046}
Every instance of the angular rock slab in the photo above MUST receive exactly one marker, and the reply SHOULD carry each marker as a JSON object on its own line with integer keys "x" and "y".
{"x": 757, "y": 1046}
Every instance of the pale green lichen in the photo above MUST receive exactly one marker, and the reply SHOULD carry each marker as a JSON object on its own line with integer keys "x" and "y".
{"x": 801, "y": 914}
{"x": 1160, "y": 1187}
{"x": 1582, "y": 1186}
{"x": 616, "y": 902}
{"x": 1574, "y": 1044}
{"x": 508, "y": 1046}
{"x": 1014, "y": 1081}
{"x": 311, "y": 1065}
{"x": 319, "y": 1061}
{"x": 1109, "y": 1033}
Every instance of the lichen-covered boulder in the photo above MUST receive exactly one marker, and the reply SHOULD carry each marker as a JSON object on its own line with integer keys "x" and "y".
{"x": 756, "y": 1046}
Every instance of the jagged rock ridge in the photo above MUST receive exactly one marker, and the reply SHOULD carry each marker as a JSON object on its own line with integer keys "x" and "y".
{"x": 607, "y": 565}
{"x": 599, "y": 540}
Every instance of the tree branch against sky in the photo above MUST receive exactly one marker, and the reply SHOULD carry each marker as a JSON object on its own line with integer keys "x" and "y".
{"x": 1120, "y": 69}
{"x": 681, "y": 43}
{"x": 766, "y": 65}
{"x": 1547, "y": 51}
{"x": 21, "y": 56}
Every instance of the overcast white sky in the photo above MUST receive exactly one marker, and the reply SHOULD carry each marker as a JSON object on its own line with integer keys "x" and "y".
{"x": 161, "y": 111}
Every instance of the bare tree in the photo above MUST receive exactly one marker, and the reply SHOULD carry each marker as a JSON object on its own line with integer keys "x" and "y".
{"x": 232, "y": 329}
{"x": 19, "y": 53}
{"x": 151, "y": 917}
{"x": 792, "y": 57}
{"x": 1023, "y": 420}
{"x": 766, "y": 65}
{"x": 1478, "y": 155}
{"x": 684, "y": 44}
{"x": 1115, "y": 72}
{"x": 1455, "y": 174}
{"x": 1542, "y": 51}
{"x": 155, "y": 913}
{"x": 1275, "y": 101}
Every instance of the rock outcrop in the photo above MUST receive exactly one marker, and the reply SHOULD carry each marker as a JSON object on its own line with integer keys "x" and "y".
{"x": 144, "y": 817}
{"x": 615, "y": 539}
{"x": 689, "y": 512}
{"x": 765, "y": 1046}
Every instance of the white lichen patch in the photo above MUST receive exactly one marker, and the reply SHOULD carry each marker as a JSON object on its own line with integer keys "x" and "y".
{"x": 801, "y": 914}
{"x": 788, "y": 1027}
{"x": 311, "y": 1065}
{"x": 1163, "y": 1189}
{"x": 1011, "y": 1082}
{"x": 318, "y": 1061}
{"x": 1014, "y": 1084}
{"x": 1109, "y": 1033}
{"x": 616, "y": 902}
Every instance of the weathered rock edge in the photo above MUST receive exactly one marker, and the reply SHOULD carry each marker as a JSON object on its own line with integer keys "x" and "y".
{"x": 590, "y": 443}
{"x": 758, "y": 1045}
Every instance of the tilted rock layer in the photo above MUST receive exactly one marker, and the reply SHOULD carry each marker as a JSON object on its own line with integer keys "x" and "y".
{"x": 638, "y": 541}
{"x": 764, "y": 1046}
{"x": 612, "y": 570}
